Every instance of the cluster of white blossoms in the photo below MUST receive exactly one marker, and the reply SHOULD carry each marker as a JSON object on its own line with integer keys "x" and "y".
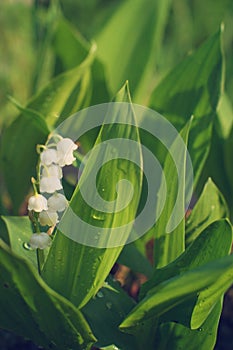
{"x": 50, "y": 203}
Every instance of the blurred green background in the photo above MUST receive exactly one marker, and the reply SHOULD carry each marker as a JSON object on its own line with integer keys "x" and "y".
{"x": 25, "y": 26}
{"x": 28, "y": 60}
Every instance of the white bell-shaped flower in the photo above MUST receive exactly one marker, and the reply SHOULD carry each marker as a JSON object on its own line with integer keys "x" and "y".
{"x": 48, "y": 157}
{"x": 37, "y": 203}
{"x": 52, "y": 170}
{"x": 65, "y": 148}
{"x": 57, "y": 202}
{"x": 48, "y": 217}
{"x": 40, "y": 240}
{"x": 50, "y": 184}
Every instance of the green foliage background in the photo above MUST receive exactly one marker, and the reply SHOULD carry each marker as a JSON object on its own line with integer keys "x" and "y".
{"x": 57, "y": 68}
{"x": 28, "y": 61}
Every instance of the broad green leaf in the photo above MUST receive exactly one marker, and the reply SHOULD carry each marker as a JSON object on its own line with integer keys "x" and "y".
{"x": 20, "y": 230}
{"x": 76, "y": 270}
{"x": 211, "y": 206}
{"x": 105, "y": 312}
{"x": 176, "y": 336}
{"x": 66, "y": 93}
{"x": 212, "y": 279}
{"x": 169, "y": 245}
{"x": 31, "y": 309}
{"x": 193, "y": 88}
{"x": 186, "y": 290}
{"x": 213, "y": 243}
{"x": 18, "y": 153}
{"x": 135, "y": 58}
{"x": 69, "y": 46}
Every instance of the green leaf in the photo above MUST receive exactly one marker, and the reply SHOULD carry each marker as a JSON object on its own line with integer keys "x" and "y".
{"x": 70, "y": 47}
{"x": 208, "y": 246}
{"x": 64, "y": 95}
{"x": 176, "y": 336}
{"x": 18, "y": 153}
{"x": 31, "y": 309}
{"x": 76, "y": 270}
{"x": 216, "y": 277}
{"x": 19, "y": 231}
{"x": 169, "y": 245}
{"x": 135, "y": 58}
{"x": 193, "y": 88}
{"x": 105, "y": 312}
{"x": 67, "y": 93}
{"x": 186, "y": 290}
{"x": 211, "y": 206}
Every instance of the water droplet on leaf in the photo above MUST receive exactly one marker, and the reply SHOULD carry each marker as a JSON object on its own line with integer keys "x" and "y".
{"x": 99, "y": 217}
{"x": 27, "y": 246}
{"x": 100, "y": 294}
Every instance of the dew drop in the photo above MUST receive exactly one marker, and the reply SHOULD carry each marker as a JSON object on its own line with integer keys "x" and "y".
{"x": 99, "y": 217}
{"x": 100, "y": 294}
{"x": 27, "y": 246}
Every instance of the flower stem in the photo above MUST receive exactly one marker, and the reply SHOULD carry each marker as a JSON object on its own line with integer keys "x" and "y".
{"x": 40, "y": 259}
{"x": 39, "y": 252}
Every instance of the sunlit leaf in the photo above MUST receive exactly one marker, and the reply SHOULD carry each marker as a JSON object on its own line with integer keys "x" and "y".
{"x": 76, "y": 270}
{"x": 191, "y": 284}
{"x": 20, "y": 230}
{"x": 211, "y": 206}
{"x": 193, "y": 88}
{"x": 135, "y": 58}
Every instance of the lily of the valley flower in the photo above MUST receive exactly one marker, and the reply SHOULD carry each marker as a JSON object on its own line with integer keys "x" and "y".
{"x": 40, "y": 240}
{"x": 57, "y": 202}
{"x": 48, "y": 217}
{"x": 65, "y": 148}
{"x": 50, "y": 184}
{"x": 37, "y": 203}
{"x": 52, "y": 170}
{"x": 48, "y": 157}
